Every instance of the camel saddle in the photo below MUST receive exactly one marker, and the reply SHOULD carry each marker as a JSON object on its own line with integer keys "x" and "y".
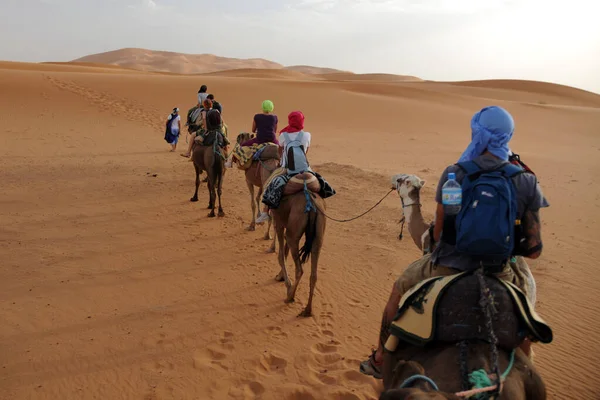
{"x": 446, "y": 309}
{"x": 296, "y": 184}
{"x": 209, "y": 138}
{"x": 269, "y": 152}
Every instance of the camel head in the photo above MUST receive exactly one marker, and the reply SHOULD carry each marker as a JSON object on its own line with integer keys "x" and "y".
{"x": 408, "y": 186}
{"x": 243, "y": 137}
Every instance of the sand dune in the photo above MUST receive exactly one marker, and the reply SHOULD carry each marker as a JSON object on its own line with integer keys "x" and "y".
{"x": 310, "y": 70}
{"x": 165, "y": 61}
{"x": 114, "y": 286}
{"x": 344, "y": 76}
{"x": 264, "y": 73}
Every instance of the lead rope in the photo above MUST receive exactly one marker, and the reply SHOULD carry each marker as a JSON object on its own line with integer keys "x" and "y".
{"x": 358, "y": 216}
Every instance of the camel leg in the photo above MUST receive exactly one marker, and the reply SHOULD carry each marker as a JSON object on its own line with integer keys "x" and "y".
{"x": 295, "y": 250}
{"x": 219, "y": 191}
{"x": 271, "y": 249}
{"x": 195, "y": 197}
{"x": 252, "y": 226}
{"x": 313, "y": 283}
{"x": 213, "y": 195}
{"x": 314, "y": 264}
{"x": 283, "y": 275}
{"x": 268, "y": 231}
{"x": 258, "y": 197}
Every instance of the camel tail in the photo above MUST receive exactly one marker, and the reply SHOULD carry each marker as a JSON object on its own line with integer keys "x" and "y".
{"x": 309, "y": 236}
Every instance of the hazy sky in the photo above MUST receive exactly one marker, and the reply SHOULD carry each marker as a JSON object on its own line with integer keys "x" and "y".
{"x": 550, "y": 40}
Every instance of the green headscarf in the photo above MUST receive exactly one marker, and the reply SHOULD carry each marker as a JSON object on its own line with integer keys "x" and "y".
{"x": 268, "y": 106}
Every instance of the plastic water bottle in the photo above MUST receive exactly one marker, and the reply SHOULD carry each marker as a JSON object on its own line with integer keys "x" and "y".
{"x": 451, "y": 195}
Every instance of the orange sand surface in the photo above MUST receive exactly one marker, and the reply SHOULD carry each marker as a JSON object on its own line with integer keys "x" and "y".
{"x": 114, "y": 286}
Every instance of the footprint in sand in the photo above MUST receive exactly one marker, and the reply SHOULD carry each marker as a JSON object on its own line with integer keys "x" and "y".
{"x": 355, "y": 376}
{"x": 276, "y": 332}
{"x": 326, "y": 319}
{"x": 343, "y": 395}
{"x": 325, "y": 348}
{"x": 325, "y": 378}
{"x": 209, "y": 357}
{"x": 354, "y": 338}
{"x": 253, "y": 390}
{"x": 270, "y": 363}
{"x": 227, "y": 340}
{"x": 355, "y": 303}
{"x": 326, "y": 356}
{"x": 300, "y": 393}
{"x": 327, "y": 332}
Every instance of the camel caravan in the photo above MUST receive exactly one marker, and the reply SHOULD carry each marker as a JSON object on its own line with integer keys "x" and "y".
{"x": 460, "y": 321}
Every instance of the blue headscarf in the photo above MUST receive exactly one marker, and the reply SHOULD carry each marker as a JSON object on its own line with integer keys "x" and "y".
{"x": 491, "y": 129}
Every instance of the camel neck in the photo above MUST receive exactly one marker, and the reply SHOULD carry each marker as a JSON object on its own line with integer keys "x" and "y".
{"x": 414, "y": 218}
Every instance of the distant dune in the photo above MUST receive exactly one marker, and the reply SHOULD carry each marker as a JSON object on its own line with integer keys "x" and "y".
{"x": 166, "y": 61}
{"x": 309, "y": 70}
{"x": 264, "y": 73}
{"x": 349, "y": 76}
{"x": 189, "y": 64}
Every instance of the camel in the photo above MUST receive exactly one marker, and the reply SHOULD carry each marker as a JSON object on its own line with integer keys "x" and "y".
{"x": 291, "y": 223}
{"x": 456, "y": 353}
{"x": 439, "y": 364}
{"x": 409, "y": 190}
{"x": 257, "y": 175}
{"x": 208, "y": 158}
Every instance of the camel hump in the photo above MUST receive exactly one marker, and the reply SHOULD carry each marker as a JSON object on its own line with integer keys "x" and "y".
{"x": 460, "y": 317}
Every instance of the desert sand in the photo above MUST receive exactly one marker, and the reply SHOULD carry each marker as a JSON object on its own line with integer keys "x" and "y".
{"x": 114, "y": 286}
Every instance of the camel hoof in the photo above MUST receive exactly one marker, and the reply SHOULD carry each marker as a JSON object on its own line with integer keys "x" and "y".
{"x": 267, "y": 237}
{"x": 194, "y": 199}
{"x": 211, "y": 214}
{"x": 221, "y": 214}
{"x": 251, "y": 228}
{"x": 279, "y": 278}
{"x": 271, "y": 250}
{"x": 289, "y": 301}
{"x": 305, "y": 314}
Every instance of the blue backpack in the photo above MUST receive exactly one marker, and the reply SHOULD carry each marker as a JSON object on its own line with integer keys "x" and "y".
{"x": 485, "y": 225}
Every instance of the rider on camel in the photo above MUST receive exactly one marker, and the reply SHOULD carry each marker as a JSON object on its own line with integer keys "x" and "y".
{"x": 492, "y": 128}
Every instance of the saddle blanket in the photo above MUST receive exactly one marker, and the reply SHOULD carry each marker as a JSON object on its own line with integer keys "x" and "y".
{"x": 244, "y": 155}
{"x": 415, "y": 321}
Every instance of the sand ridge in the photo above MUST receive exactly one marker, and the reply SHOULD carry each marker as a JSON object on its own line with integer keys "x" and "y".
{"x": 180, "y": 63}
{"x": 113, "y": 285}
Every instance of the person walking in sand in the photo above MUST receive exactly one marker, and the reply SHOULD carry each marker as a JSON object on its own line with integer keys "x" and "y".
{"x": 172, "y": 128}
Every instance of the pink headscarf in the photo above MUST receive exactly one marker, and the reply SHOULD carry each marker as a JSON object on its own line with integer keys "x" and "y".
{"x": 295, "y": 122}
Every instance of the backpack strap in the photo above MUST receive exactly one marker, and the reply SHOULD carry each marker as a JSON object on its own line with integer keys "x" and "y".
{"x": 469, "y": 167}
{"x": 512, "y": 170}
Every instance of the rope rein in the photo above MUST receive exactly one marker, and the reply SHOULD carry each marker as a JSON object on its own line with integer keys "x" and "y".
{"x": 358, "y": 216}
{"x": 408, "y": 382}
